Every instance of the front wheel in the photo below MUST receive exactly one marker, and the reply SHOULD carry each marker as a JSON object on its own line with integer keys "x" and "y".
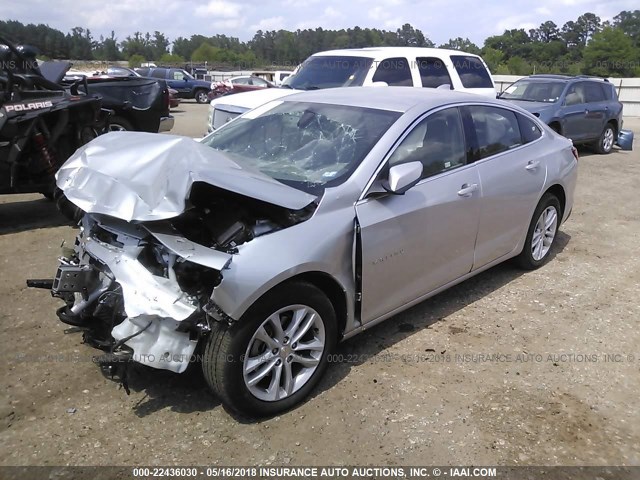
{"x": 271, "y": 359}
{"x": 607, "y": 139}
{"x": 202, "y": 96}
{"x": 541, "y": 234}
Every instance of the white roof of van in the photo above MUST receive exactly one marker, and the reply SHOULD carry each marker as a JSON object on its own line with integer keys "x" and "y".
{"x": 377, "y": 52}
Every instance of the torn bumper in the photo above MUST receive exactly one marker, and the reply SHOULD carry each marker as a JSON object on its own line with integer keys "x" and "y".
{"x": 109, "y": 286}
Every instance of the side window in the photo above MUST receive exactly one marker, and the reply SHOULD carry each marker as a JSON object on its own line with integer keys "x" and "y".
{"x": 242, "y": 81}
{"x": 529, "y": 129}
{"x": 437, "y": 142}
{"x": 473, "y": 73}
{"x": 433, "y": 72}
{"x": 259, "y": 82}
{"x": 176, "y": 74}
{"x": 593, "y": 92}
{"x": 395, "y": 71}
{"x": 576, "y": 94}
{"x": 159, "y": 73}
{"x": 496, "y": 129}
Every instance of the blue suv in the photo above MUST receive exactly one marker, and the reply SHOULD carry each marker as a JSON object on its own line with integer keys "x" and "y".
{"x": 584, "y": 109}
{"x": 181, "y": 81}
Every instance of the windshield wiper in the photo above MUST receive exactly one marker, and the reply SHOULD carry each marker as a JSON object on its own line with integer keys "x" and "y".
{"x": 312, "y": 87}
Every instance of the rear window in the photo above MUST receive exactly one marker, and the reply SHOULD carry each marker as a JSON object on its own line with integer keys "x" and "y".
{"x": 529, "y": 129}
{"x": 472, "y": 72}
{"x": 594, "y": 92}
{"x": 433, "y": 72}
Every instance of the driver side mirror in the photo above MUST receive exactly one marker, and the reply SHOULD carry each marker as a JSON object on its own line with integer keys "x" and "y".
{"x": 402, "y": 177}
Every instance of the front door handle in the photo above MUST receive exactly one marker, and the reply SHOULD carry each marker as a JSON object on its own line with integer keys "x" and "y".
{"x": 467, "y": 189}
{"x": 532, "y": 165}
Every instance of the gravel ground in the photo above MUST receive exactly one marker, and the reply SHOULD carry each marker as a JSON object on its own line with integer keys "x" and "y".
{"x": 536, "y": 368}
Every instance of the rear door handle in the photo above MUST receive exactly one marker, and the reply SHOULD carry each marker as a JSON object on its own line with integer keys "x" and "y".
{"x": 532, "y": 165}
{"x": 467, "y": 189}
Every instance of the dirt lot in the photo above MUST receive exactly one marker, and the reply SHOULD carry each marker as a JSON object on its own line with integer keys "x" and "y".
{"x": 506, "y": 368}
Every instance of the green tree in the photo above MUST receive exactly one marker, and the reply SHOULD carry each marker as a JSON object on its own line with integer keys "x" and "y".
{"x": 629, "y": 23}
{"x": 136, "y": 60}
{"x": 493, "y": 58}
{"x": 171, "y": 59}
{"x": 611, "y": 53}
{"x": 545, "y": 33}
{"x": 463, "y": 44}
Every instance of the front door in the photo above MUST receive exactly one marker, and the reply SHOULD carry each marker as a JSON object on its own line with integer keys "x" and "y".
{"x": 414, "y": 243}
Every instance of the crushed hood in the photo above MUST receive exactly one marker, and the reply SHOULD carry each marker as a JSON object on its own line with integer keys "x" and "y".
{"x": 147, "y": 176}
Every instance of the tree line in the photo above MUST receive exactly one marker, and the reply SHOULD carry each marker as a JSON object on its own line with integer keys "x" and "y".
{"x": 586, "y": 45}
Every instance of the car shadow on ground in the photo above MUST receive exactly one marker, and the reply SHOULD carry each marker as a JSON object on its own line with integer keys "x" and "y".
{"x": 188, "y": 392}
{"x": 181, "y": 393}
{"x": 26, "y": 215}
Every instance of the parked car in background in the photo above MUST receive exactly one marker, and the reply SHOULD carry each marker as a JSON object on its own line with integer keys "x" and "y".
{"x": 174, "y": 101}
{"x": 138, "y": 103}
{"x": 178, "y": 79}
{"x": 378, "y": 66}
{"x": 302, "y": 223}
{"x": 584, "y": 109}
{"x": 276, "y": 77}
{"x": 240, "y": 84}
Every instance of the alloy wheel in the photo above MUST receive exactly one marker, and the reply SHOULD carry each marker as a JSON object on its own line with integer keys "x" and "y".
{"x": 544, "y": 233}
{"x": 284, "y": 352}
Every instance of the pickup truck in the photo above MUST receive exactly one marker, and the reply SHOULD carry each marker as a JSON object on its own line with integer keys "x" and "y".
{"x": 138, "y": 104}
{"x": 180, "y": 80}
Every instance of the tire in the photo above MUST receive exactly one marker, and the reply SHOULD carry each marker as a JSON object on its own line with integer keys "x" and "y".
{"x": 201, "y": 96}
{"x": 227, "y": 361}
{"x": 120, "y": 124}
{"x": 531, "y": 258}
{"x": 607, "y": 139}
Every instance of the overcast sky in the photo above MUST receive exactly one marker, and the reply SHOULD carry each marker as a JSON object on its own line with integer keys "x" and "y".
{"x": 438, "y": 19}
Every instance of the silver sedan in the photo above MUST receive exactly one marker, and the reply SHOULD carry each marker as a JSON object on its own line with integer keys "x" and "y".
{"x": 301, "y": 224}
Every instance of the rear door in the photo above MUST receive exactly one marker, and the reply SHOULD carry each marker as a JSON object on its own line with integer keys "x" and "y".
{"x": 512, "y": 175}
{"x": 578, "y": 121}
{"x": 414, "y": 243}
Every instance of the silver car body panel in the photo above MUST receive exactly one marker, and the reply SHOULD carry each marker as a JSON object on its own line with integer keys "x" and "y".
{"x": 144, "y": 176}
{"x": 420, "y": 251}
{"x": 189, "y": 250}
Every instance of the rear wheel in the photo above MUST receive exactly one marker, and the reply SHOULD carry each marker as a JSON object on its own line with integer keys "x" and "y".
{"x": 605, "y": 143}
{"x": 541, "y": 234}
{"x": 202, "y": 96}
{"x": 119, "y": 124}
{"x": 271, "y": 359}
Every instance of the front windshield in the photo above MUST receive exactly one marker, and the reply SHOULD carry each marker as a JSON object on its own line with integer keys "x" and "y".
{"x": 330, "y": 71}
{"x": 309, "y": 146}
{"x": 534, "y": 91}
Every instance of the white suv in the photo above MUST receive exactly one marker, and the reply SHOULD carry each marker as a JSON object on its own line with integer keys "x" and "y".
{"x": 392, "y": 66}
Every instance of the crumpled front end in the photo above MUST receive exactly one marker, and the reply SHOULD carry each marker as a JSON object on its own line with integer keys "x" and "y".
{"x": 138, "y": 290}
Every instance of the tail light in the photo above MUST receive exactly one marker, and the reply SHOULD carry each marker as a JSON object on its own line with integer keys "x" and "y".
{"x": 166, "y": 99}
{"x": 574, "y": 150}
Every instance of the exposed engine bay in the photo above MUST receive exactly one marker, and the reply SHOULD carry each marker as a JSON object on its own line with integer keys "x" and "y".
{"x": 142, "y": 290}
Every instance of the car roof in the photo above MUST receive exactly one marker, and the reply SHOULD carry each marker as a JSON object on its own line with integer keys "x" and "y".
{"x": 396, "y": 99}
{"x": 379, "y": 52}
{"x": 564, "y": 78}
